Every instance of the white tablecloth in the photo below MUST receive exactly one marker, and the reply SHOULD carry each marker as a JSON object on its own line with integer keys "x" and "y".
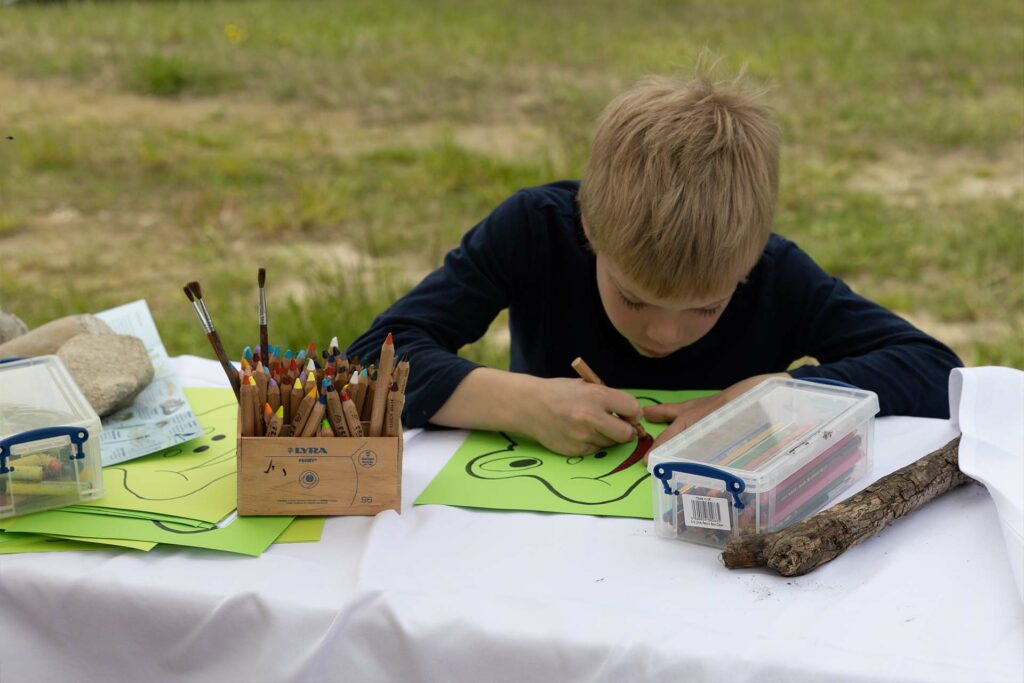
{"x": 447, "y": 594}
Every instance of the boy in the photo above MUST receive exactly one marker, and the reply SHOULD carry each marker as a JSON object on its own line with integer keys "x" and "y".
{"x": 659, "y": 268}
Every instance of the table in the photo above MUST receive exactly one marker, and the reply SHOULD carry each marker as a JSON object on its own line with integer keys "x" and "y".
{"x": 448, "y": 594}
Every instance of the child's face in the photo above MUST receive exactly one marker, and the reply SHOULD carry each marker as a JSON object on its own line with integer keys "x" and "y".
{"x": 655, "y": 327}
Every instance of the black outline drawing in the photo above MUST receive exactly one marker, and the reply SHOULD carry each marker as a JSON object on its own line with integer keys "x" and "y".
{"x": 511, "y": 447}
{"x": 215, "y": 459}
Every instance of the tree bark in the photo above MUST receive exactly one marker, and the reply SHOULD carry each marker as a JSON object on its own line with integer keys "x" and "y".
{"x": 820, "y": 538}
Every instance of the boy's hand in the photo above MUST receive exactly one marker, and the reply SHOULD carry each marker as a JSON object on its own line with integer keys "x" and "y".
{"x": 684, "y": 414}
{"x": 567, "y": 416}
{"x": 577, "y": 417}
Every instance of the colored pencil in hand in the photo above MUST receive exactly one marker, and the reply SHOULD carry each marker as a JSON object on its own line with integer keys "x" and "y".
{"x": 588, "y": 375}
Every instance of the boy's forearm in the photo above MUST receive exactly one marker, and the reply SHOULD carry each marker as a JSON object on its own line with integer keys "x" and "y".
{"x": 910, "y": 379}
{"x": 493, "y": 400}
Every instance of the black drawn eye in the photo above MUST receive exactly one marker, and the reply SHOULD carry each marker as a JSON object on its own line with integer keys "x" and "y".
{"x": 600, "y": 454}
{"x": 217, "y": 437}
{"x": 510, "y": 464}
{"x": 200, "y": 449}
{"x": 525, "y": 462}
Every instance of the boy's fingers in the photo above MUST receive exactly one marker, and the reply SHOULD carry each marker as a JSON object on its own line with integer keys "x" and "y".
{"x": 615, "y": 430}
{"x": 623, "y": 404}
{"x": 670, "y": 431}
{"x": 665, "y": 412}
{"x": 578, "y": 449}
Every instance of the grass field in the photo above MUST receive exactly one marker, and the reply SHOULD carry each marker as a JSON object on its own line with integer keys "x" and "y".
{"x": 347, "y": 146}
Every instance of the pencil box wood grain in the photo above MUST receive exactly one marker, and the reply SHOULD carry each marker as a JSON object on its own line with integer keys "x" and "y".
{"x": 319, "y": 475}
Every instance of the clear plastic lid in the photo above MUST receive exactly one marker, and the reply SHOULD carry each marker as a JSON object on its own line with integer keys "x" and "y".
{"x": 39, "y": 392}
{"x": 771, "y": 430}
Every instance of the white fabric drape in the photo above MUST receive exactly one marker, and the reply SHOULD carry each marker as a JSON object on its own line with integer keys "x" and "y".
{"x": 447, "y": 594}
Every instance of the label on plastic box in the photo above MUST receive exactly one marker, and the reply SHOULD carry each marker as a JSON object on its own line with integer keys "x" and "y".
{"x": 707, "y": 512}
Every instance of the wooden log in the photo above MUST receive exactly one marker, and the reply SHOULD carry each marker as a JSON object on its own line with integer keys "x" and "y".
{"x": 822, "y": 537}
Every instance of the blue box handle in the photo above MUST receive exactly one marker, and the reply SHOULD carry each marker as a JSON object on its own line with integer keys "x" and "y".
{"x": 78, "y": 436}
{"x": 734, "y": 484}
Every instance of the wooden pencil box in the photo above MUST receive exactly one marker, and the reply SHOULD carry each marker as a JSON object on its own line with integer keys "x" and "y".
{"x": 319, "y": 475}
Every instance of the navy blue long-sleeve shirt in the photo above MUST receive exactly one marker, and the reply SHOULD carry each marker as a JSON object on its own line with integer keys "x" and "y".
{"x": 530, "y": 255}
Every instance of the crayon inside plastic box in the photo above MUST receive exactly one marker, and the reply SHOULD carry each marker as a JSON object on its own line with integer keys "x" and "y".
{"x": 49, "y": 438}
{"x": 771, "y": 457}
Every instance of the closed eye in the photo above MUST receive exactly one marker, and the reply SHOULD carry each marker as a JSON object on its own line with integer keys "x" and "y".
{"x": 708, "y": 312}
{"x": 630, "y": 304}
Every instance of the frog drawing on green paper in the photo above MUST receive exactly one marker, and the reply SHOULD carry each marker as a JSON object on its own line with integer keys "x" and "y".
{"x": 604, "y": 477}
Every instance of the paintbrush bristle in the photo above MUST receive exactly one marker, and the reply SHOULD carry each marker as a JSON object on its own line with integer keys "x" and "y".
{"x": 197, "y": 290}
{"x": 262, "y": 277}
{"x": 188, "y": 293}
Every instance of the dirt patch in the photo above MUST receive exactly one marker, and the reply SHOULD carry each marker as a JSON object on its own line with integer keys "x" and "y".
{"x": 27, "y": 102}
{"x": 907, "y": 179}
{"x": 961, "y": 336}
{"x": 75, "y": 103}
{"x": 508, "y": 142}
{"x": 503, "y": 141}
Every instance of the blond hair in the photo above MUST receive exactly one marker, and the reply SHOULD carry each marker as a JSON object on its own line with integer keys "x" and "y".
{"x": 681, "y": 184}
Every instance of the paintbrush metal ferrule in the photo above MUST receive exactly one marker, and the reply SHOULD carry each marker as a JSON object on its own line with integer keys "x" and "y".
{"x": 203, "y": 319}
{"x": 208, "y": 319}
{"x": 263, "y": 307}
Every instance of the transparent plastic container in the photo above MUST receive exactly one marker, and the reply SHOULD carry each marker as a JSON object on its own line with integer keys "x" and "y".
{"x": 49, "y": 438}
{"x": 773, "y": 456}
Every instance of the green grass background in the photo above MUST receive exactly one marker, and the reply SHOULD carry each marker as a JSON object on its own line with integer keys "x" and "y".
{"x": 347, "y": 146}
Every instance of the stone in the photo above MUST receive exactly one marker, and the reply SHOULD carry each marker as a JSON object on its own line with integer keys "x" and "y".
{"x": 11, "y": 327}
{"x": 46, "y": 339}
{"x": 110, "y": 369}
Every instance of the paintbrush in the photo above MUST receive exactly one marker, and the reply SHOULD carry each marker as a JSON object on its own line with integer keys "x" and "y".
{"x": 264, "y": 343}
{"x": 195, "y": 295}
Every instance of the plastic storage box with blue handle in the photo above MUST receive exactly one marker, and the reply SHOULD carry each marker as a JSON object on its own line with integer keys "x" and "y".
{"x": 49, "y": 438}
{"x": 771, "y": 457}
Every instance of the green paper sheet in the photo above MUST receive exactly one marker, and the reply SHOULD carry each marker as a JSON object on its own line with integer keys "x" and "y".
{"x": 302, "y": 530}
{"x": 135, "y": 514}
{"x": 145, "y": 546}
{"x": 508, "y": 472}
{"x": 11, "y": 540}
{"x": 245, "y": 535}
{"x": 44, "y": 544}
{"x": 195, "y": 479}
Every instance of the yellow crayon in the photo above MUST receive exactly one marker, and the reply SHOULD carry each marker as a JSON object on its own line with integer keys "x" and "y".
{"x": 276, "y": 422}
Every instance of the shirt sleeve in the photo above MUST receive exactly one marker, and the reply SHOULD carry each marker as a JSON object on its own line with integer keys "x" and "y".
{"x": 453, "y": 306}
{"x": 861, "y": 343}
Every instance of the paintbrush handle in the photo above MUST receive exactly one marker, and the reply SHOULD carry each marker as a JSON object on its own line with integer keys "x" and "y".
{"x": 229, "y": 370}
{"x": 264, "y": 343}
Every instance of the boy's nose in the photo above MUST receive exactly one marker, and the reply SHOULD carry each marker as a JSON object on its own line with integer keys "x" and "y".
{"x": 665, "y": 334}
